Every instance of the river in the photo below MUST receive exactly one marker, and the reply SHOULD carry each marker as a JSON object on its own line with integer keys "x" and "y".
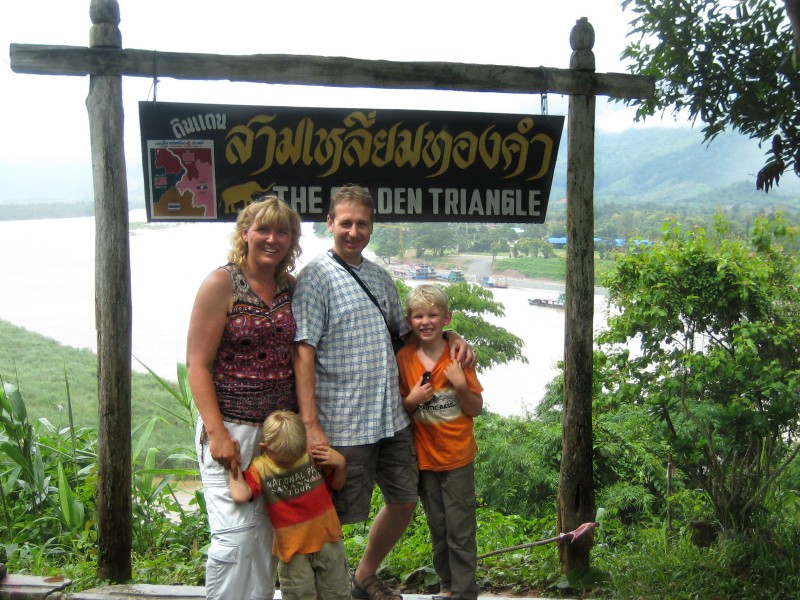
{"x": 47, "y": 271}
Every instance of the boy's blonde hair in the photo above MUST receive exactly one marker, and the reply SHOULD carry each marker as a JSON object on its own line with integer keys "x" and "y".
{"x": 285, "y": 435}
{"x": 427, "y": 296}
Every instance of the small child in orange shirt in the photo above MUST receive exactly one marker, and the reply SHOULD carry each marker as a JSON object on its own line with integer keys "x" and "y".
{"x": 442, "y": 397}
{"x": 308, "y": 535}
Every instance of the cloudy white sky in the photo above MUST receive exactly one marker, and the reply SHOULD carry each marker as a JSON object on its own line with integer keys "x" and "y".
{"x": 45, "y": 116}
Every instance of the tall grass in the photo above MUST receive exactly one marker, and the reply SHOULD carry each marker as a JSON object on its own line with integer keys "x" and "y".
{"x": 48, "y": 488}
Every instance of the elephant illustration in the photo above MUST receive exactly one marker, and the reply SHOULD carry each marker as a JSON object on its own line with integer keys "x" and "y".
{"x": 244, "y": 193}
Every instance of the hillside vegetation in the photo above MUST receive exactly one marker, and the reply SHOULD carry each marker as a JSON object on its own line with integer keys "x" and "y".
{"x": 48, "y": 373}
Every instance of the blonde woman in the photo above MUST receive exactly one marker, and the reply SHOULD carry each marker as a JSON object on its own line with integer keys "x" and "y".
{"x": 239, "y": 358}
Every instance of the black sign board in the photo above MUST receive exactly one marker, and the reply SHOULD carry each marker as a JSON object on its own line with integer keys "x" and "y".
{"x": 206, "y": 162}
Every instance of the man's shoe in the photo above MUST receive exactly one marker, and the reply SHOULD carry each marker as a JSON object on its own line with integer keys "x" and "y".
{"x": 373, "y": 588}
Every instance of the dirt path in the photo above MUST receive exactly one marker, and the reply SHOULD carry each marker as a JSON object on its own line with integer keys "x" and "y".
{"x": 478, "y": 265}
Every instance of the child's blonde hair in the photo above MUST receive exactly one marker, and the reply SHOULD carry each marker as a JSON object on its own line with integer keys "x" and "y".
{"x": 427, "y": 296}
{"x": 285, "y": 435}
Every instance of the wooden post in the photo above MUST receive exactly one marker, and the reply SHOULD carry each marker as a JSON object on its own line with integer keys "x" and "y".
{"x": 112, "y": 305}
{"x": 575, "y": 483}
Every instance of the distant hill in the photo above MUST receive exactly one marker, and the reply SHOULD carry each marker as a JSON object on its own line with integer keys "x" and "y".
{"x": 656, "y": 161}
{"x": 68, "y": 182}
{"x": 32, "y": 181}
{"x": 658, "y": 165}
{"x": 638, "y": 166}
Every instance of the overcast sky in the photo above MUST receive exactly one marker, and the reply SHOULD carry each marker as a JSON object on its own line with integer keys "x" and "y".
{"x": 45, "y": 116}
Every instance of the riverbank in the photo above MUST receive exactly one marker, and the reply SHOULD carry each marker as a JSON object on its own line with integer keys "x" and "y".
{"x": 478, "y": 266}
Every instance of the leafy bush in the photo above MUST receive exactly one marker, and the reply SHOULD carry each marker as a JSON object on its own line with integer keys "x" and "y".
{"x": 648, "y": 565}
{"x": 516, "y": 471}
{"x": 715, "y": 326}
{"x": 48, "y": 485}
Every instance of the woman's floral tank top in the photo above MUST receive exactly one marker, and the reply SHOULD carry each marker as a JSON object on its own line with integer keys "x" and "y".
{"x": 253, "y": 373}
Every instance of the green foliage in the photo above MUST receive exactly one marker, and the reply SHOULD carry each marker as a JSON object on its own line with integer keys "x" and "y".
{"x": 19, "y": 445}
{"x": 433, "y": 238}
{"x": 517, "y": 570}
{"x": 552, "y": 265}
{"x": 628, "y": 467}
{"x": 636, "y": 561}
{"x": 48, "y": 483}
{"x": 717, "y": 363}
{"x": 735, "y": 567}
{"x": 731, "y": 65}
{"x": 409, "y": 563}
{"x": 184, "y": 416}
{"x": 72, "y": 511}
{"x": 41, "y": 469}
{"x": 516, "y": 470}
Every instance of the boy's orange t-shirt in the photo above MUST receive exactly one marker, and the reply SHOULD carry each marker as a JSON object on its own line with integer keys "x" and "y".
{"x": 442, "y": 431}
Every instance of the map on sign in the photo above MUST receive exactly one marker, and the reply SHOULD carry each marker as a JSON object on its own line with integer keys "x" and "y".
{"x": 181, "y": 179}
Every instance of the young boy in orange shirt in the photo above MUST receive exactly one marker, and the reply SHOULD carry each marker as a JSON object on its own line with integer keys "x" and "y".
{"x": 442, "y": 398}
{"x": 308, "y": 536}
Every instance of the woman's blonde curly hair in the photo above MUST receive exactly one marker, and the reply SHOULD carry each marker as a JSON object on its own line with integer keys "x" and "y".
{"x": 273, "y": 212}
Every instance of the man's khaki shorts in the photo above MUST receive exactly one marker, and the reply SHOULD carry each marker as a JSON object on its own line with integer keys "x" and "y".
{"x": 390, "y": 462}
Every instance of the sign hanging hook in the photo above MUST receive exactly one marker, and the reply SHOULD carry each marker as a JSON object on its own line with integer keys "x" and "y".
{"x": 544, "y": 93}
{"x": 154, "y": 85}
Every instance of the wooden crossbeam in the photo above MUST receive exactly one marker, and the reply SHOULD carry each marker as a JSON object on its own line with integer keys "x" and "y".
{"x": 325, "y": 71}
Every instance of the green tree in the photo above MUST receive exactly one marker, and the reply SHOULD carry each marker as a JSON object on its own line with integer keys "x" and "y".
{"x": 524, "y": 246}
{"x": 715, "y": 323}
{"x": 493, "y": 345}
{"x": 386, "y": 242}
{"x": 545, "y": 248}
{"x": 732, "y": 65}
{"x": 433, "y": 237}
{"x": 321, "y": 230}
{"x": 629, "y": 451}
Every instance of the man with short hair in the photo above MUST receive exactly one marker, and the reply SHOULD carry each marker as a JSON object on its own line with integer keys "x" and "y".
{"x": 346, "y": 380}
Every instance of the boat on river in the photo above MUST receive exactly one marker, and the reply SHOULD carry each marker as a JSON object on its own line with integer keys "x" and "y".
{"x": 451, "y": 276}
{"x": 549, "y": 302}
{"x": 416, "y": 271}
{"x": 422, "y": 271}
{"x": 492, "y": 281}
{"x": 400, "y": 271}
